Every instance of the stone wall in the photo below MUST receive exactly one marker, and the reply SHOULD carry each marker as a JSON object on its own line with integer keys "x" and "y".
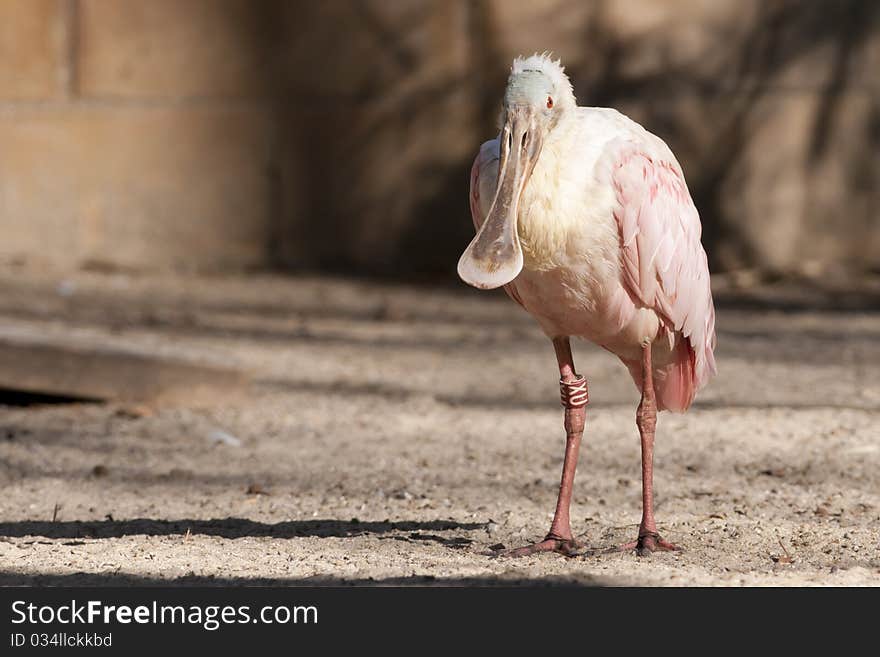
{"x": 217, "y": 134}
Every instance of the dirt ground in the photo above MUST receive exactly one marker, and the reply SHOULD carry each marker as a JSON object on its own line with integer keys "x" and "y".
{"x": 393, "y": 434}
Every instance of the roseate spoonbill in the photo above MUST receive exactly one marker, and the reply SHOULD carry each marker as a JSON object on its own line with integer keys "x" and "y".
{"x": 585, "y": 219}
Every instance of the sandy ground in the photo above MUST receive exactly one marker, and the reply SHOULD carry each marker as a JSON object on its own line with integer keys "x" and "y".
{"x": 393, "y": 435}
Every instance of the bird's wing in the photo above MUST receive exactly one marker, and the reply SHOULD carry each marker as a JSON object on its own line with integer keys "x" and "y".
{"x": 663, "y": 262}
{"x": 484, "y": 178}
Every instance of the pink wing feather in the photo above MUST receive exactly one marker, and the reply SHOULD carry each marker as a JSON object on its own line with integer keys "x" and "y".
{"x": 665, "y": 268}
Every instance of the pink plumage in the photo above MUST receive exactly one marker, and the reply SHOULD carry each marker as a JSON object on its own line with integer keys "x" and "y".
{"x": 663, "y": 266}
{"x": 665, "y": 269}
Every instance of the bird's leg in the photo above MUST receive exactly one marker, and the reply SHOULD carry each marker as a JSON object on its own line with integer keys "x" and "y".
{"x": 646, "y": 419}
{"x": 573, "y": 389}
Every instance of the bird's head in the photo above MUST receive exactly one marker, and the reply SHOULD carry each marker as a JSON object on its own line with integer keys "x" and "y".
{"x": 538, "y": 96}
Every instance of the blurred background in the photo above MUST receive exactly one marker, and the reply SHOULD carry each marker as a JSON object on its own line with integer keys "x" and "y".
{"x": 225, "y": 135}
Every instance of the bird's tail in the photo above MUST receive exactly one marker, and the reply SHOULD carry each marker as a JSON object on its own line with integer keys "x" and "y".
{"x": 675, "y": 384}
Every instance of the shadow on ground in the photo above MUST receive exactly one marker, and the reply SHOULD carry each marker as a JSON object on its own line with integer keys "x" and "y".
{"x": 110, "y": 580}
{"x": 225, "y": 528}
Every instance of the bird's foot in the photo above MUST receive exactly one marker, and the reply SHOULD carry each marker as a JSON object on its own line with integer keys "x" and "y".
{"x": 647, "y": 544}
{"x": 565, "y": 546}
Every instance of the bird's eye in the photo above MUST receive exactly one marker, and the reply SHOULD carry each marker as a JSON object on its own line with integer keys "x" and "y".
{"x": 549, "y": 102}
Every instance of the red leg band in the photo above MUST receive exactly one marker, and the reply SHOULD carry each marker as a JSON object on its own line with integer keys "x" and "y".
{"x": 574, "y": 394}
